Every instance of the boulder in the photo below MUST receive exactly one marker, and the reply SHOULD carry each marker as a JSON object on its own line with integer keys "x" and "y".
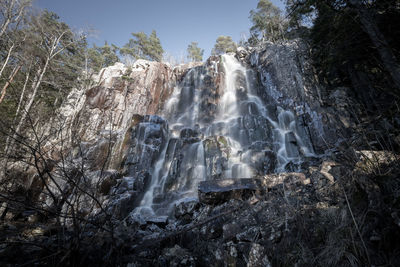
{"x": 219, "y": 191}
{"x": 185, "y": 209}
{"x": 160, "y": 221}
{"x": 272, "y": 180}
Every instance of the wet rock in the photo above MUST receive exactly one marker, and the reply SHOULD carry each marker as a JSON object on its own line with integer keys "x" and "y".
{"x": 241, "y": 53}
{"x": 108, "y": 180}
{"x": 185, "y": 209}
{"x": 135, "y": 219}
{"x": 161, "y": 221}
{"x": 291, "y": 145}
{"x": 291, "y": 167}
{"x": 263, "y": 161}
{"x": 218, "y": 191}
{"x": 122, "y": 204}
{"x": 188, "y": 133}
{"x": 217, "y": 153}
{"x": 145, "y": 142}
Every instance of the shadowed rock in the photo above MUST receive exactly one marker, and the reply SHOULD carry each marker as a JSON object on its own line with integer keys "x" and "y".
{"x": 219, "y": 191}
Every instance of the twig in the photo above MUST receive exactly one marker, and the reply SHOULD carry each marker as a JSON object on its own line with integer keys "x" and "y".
{"x": 356, "y": 225}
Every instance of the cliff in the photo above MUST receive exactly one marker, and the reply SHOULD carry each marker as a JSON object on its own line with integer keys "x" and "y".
{"x": 245, "y": 159}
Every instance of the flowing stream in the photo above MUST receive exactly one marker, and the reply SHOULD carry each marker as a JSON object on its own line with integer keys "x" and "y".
{"x": 218, "y": 132}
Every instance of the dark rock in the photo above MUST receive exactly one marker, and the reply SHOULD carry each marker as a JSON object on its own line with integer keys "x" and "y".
{"x": 109, "y": 179}
{"x": 188, "y": 133}
{"x": 291, "y": 167}
{"x": 122, "y": 204}
{"x": 161, "y": 221}
{"x": 216, "y": 152}
{"x": 185, "y": 208}
{"x": 218, "y": 191}
{"x": 177, "y": 256}
{"x": 292, "y": 148}
{"x": 248, "y": 235}
{"x": 135, "y": 219}
{"x": 263, "y": 161}
{"x": 229, "y": 231}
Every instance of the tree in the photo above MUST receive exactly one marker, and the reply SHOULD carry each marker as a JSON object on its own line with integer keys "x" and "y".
{"x": 143, "y": 46}
{"x": 378, "y": 39}
{"x": 50, "y": 58}
{"x": 12, "y": 12}
{"x": 154, "y": 50}
{"x": 352, "y": 43}
{"x": 99, "y": 57}
{"x": 267, "y": 21}
{"x": 224, "y": 44}
{"x": 195, "y": 53}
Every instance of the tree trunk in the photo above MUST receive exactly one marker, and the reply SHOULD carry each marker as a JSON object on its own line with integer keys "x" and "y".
{"x": 7, "y": 59}
{"x": 21, "y": 98}
{"x": 378, "y": 39}
{"x": 35, "y": 87}
{"x": 3, "y": 91}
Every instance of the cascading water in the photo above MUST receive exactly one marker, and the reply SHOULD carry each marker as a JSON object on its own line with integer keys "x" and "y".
{"x": 220, "y": 132}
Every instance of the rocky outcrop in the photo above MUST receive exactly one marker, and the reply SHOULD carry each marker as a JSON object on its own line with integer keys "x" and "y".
{"x": 121, "y": 92}
{"x": 288, "y": 79}
{"x": 251, "y": 164}
{"x": 219, "y": 191}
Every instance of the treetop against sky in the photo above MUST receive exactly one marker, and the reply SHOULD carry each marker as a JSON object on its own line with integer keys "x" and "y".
{"x": 177, "y": 22}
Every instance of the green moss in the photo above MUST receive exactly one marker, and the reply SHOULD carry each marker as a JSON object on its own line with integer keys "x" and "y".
{"x": 222, "y": 140}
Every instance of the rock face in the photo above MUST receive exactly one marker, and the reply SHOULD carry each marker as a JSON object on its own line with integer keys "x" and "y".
{"x": 288, "y": 80}
{"x": 225, "y": 163}
{"x": 219, "y": 191}
{"x": 120, "y": 93}
{"x": 224, "y": 119}
{"x": 110, "y": 126}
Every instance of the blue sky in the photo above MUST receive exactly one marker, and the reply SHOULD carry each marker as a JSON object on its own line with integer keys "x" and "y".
{"x": 177, "y": 22}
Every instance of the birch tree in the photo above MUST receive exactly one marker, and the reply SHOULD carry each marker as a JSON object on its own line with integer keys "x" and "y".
{"x": 49, "y": 43}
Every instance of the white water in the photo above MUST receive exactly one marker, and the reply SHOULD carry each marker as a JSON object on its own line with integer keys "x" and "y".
{"x": 240, "y": 117}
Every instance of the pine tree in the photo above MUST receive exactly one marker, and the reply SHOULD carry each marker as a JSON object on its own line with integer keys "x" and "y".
{"x": 224, "y": 44}
{"x": 195, "y": 53}
{"x": 142, "y": 46}
{"x": 154, "y": 49}
{"x": 267, "y": 21}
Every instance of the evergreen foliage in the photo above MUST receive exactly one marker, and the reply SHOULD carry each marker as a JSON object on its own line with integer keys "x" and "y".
{"x": 268, "y": 22}
{"x": 354, "y": 43}
{"x": 195, "y": 53}
{"x": 143, "y": 46}
{"x": 42, "y": 59}
{"x": 224, "y": 44}
{"x": 103, "y": 56}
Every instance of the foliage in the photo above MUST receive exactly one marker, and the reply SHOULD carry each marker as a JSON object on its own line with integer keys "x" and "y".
{"x": 345, "y": 47}
{"x": 143, "y": 46}
{"x": 267, "y": 21}
{"x": 223, "y": 44}
{"x": 103, "y": 56}
{"x": 195, "y": 53}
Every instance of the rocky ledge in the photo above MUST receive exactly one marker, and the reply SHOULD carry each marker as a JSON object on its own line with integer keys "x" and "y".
{"x": 282, "y": 219}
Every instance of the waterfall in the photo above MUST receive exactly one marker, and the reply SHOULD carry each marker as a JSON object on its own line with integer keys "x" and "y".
{"x": 217, "y": 133}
